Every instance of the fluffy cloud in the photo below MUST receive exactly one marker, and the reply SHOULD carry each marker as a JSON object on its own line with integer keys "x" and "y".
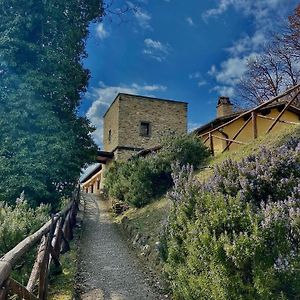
{"x": 101, "y": 31}
{"x": 142, "y": 17}
{"x": 260, "y": 10}
{"x": 229, "y": 73}
{"x": 198, "y": 77}
{"x": 103, "y": 97}
{"x": 263, "y": 13}
{"x": 156, "y": 49}
{"x": 190, "y": 21}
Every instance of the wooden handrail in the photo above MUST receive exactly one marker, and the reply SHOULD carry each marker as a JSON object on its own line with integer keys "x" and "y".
{"x": 53, "y": 237}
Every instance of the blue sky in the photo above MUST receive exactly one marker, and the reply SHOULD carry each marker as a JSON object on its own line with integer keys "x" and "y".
{"x": 193, "y": 51}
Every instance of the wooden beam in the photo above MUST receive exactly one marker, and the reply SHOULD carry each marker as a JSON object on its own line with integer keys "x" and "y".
{"x": 280, "y": 121}
{"x": 5, "y": 269}
{"x": 35, "y": 270}
{"x": 237, "y": 134}
{"x": 4, "y": 289}
{"x": 17, "y": 288}
{"x": 211, "y": 144}
{"x": 282, "y": 112}
{"x": 228, "y": 140}
{"x": 206, "y": 140}
{"x": 254, "y": 124}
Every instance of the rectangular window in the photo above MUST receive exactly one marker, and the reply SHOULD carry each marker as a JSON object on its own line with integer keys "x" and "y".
{"x": 145, "y": 129}
{"x": 109, "y": 136}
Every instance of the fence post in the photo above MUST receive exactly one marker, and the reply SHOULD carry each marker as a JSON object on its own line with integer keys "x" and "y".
{"x": 254, "y": 124}
{"x": 211, "y": 144}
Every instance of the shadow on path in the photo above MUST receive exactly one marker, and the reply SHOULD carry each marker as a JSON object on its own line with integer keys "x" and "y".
{"x": 107, "y": 268}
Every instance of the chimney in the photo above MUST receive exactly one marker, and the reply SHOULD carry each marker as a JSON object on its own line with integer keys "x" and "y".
{"x": 224, "y": 107}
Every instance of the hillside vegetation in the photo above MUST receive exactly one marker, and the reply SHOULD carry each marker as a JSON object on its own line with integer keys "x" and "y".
{"x": 220, "y": 232}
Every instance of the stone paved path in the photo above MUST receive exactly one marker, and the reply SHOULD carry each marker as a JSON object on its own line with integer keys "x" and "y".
{"x": 107, "y": 268}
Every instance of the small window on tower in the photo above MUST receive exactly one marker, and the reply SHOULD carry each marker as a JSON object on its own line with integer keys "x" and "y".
{"x": 145, "y": 129}
{"x": 109, "y": 135}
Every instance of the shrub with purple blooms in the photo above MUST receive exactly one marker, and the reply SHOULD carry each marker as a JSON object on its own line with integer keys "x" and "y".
{"x": 237, "y": 236}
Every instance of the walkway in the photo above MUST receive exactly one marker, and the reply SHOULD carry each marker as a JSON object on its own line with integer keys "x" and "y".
{"x": 108, "y": 270}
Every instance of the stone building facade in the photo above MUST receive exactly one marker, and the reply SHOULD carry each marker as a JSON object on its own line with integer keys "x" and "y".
{"x": 133, "y": 123}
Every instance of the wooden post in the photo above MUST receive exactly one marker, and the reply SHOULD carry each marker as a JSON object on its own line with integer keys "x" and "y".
{"x": 43, "y": 273}
{"x": 237, "y": 134}
{"x": 282, "y": 112}
{"x": 4, "y": 290}
{"x": 18, "y": 289}
{"x": 35, "y": 270}
{"x": 254, "y": 124}
{"x": 211, "y": 143}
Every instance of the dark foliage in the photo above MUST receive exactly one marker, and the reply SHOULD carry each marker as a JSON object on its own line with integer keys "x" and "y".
{"x": 141, "y": 180}
{"x": 44, "y": 143}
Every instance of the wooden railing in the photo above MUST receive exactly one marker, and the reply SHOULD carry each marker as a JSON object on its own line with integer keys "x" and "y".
{"x": 54, "y": 239}
{"x": 252, "y": 115}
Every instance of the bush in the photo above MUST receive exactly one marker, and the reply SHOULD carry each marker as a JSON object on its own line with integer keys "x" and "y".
{"x": 16, "y": 223}
{"x": 140, "y": 180}
{"x": 237, "y": 236}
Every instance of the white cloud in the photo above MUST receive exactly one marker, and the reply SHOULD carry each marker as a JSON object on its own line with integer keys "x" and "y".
{"x": 104, "y": 95}
{"x": 262, "y": 14}
{"x": 259, "y": 10}
{"x": 248, "y": 44}
{"x": 222, "y": 7}
{"x": 198, "y": 77}
{"x": 195, "y": 75}
{"x": 202, "y": 83}
{"x": 224, "y": 90}
{"x": 190, "y": 21}
{"x": 229, "y": 74}
{"x": 142, "y": 17}
{"x": 101, "y": 32}
{"x": 156, "y": 49}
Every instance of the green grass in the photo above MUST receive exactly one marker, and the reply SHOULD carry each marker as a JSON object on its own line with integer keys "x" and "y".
{"x": 149, "y": 219}
{"x": 273, "y": 139}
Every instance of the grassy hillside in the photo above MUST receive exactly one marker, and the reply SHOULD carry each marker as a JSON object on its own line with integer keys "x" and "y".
{"x": 149, "y": 219}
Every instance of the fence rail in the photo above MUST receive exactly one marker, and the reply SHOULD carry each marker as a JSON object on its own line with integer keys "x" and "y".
{"x": 209, "y": 136}
{"x": 54, "y": 237}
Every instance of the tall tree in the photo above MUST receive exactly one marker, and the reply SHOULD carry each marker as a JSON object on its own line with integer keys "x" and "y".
{"x": 43, "y": 141}
{"x": 275, "y": 69}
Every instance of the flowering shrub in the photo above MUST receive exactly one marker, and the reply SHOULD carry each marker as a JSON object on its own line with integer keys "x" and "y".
{"x": 237, "y": 236}
{"x": 16, "y": 223}
{"x": 140, "y": 180}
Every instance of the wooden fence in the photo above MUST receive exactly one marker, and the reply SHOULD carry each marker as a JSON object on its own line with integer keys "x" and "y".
{"x": 54, "y": 239}
{"x": 251, "y": 116}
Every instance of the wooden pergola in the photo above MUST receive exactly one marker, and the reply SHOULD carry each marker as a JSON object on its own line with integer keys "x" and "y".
{"x": 251, "y": 116}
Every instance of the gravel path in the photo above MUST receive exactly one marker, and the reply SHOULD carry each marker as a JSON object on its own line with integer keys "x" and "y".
{"x": 107, "y": 268}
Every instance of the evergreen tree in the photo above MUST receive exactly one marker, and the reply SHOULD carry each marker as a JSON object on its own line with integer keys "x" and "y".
{"x": 43, "y": 141}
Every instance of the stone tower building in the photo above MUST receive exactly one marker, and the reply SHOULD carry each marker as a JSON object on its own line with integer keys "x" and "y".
{"x": 133, "y": 123}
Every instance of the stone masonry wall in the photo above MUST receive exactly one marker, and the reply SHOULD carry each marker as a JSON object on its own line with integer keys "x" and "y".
{"x": 111, "y": 122}
{"x": 164, "y": 117}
